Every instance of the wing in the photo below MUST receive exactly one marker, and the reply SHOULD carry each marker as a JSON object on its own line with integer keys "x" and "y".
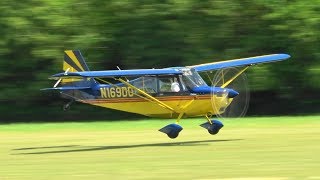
{"x": 118, "y": 73}
{"x": 240, "y": 62}
{"x": 66, "y": 88}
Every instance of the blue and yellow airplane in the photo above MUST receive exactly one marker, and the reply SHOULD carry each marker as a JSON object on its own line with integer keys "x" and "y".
{"x": 175, "y": 92}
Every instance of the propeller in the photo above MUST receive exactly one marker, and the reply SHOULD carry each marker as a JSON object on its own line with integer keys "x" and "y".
{"x": 230, "y": 96}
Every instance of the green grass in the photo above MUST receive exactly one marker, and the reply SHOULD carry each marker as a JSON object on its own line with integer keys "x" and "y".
{"x": 248, "y": 148}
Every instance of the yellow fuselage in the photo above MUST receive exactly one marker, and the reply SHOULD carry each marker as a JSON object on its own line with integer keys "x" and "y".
{"x": 190, "y": 105}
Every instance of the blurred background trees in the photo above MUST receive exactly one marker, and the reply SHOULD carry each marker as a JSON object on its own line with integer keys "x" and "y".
{"x": 158, "y": 33}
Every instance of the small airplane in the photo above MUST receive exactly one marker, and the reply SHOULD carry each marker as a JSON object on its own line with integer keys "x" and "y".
{"x": 174, "y": 92}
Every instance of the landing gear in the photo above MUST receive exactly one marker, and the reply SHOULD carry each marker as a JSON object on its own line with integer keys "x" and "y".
{"x": 213, "y": 127}
{"x": 67, "y": 106}
{"x": 172, "y": 130}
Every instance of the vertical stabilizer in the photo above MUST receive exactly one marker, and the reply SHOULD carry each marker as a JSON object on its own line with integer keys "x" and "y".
{"x": 74, "y": 61}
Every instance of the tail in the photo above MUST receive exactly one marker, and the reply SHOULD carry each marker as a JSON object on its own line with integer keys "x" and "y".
{"x": 74, "y": 61}
{"x": 74, "y": 88}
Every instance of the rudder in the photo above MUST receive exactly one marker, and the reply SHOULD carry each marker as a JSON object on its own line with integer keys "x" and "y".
{"x": 74, "y": 61}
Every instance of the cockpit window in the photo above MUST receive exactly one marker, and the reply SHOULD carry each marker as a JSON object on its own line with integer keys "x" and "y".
{"x": 192, "y": 79}
{"x": 147, "y": 84}
{"x": 169, "y": 84}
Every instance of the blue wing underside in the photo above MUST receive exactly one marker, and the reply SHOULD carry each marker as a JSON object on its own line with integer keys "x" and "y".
{"x": 240, "y": 62}
{"x": 176, "y": 70}
{"x": 120, "y": 73}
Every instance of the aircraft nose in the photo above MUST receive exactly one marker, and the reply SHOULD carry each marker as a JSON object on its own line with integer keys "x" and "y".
{"x": 232, "y": 93}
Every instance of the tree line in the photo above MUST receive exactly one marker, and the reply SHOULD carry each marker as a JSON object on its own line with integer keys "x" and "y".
{"x": 157, "y": 34}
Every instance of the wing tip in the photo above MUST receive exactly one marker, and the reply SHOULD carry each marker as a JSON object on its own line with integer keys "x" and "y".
{"x": 284, "y": 56}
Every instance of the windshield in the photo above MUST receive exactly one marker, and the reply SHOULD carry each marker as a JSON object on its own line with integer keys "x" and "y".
{"x": 192, "y": 79}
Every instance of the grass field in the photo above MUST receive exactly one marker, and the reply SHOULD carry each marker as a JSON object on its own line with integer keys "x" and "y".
{"x": 249, "y": 148}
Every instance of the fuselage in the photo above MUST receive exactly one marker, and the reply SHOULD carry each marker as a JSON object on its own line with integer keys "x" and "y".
{"x": 186, "y": 93}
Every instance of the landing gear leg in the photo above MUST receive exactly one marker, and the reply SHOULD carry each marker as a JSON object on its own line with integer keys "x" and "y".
{"x": 67, "y": 106}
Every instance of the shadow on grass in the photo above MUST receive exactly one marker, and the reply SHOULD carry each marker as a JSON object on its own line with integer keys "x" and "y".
{"x": 79, "y": 148}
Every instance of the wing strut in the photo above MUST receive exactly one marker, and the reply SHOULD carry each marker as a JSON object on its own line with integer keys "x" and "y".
{"x": 146, "y": 94}
{"x": 102, "y": 80}
{"x": 234, "y": 77}
{"x": 183, "y": 110}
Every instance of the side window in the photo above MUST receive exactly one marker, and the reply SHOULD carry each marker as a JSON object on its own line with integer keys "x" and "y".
{"x": 169, "y": 84}
{"x": 150, "y": 84}
{"x": 147, "y": 84}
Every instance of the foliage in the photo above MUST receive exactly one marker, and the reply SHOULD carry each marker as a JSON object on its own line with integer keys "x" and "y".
{"x": 157, "y": 33}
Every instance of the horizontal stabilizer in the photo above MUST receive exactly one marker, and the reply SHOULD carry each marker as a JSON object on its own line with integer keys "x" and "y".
{"x": 240, "y": 62}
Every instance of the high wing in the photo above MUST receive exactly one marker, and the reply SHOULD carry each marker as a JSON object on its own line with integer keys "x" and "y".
{"x": 174, "y": 71}
{"x": 118, "y": 73}
{"x": 240, "y": 62}
{"x": 66, "y": 88}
